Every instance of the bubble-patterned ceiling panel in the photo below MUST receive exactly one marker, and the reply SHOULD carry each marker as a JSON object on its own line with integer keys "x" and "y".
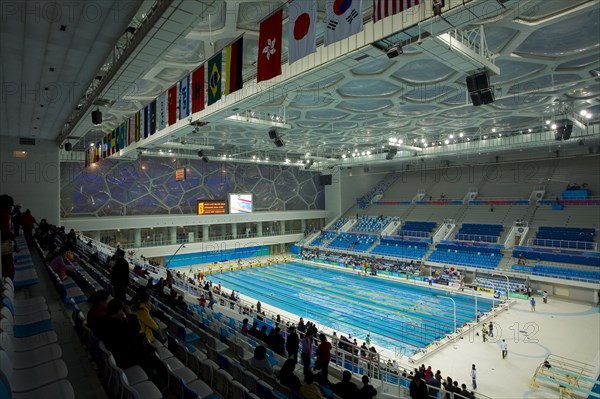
{"x": 411, "y": 110}
{"x": 589, "y": 61}
{"x": 145, "y": 88}
{"x": 326, "y": 114}
{"x": 374, "y": 67}
{"x": 533, "y": 11}
{"x": 562, "y": 37}
{"x": 310, "y": 124}
{"x": 125, "y": 106}
{"x": 519, "y": 101}
{"x": 325, "y": 83}
{"x": 171, "y": 74}
{"x": 368, "y": 88}
{"x": 544, "y": 84}
{"x": 252, "y": 13}
{"x": 365, "y": 105}
{"x": 428, "y": 93}
{"x": 498, "y": 36}
{"x": 513, "y": 70}
{"x": 585, "y": 92}
{"x": 423, "y": 71}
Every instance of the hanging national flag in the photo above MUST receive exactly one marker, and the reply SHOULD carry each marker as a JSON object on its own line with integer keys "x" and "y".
{"x": 146, "y": 121}
{"x": 104, "y": 147}
{"x": 198, "y": 90}
{"x": 234, "y": 61}
{"x": 162, "y": 111}
{"x": 122, "y": 136}
{"x": 302, "y": 25}
{"x": 137, "y": 126}
{"x": 153, "y": 117}
{"x": 130, "y": 133}
{"x": 117, "y": 135}
{"x": 142, "y": 127}
{"x": 269, "y": 47}
{"x": 184, "y": 97}
{"x": 172, "y": 105}
{"x": 97, "y": 151}
{"x": 113, "y": 142}
{"x": 108, "y": 144}
{"x": 343, "y": 18}
{"x": 86, "y": 162}
{"x": 385, "y": 8}
{"x": 214, "y": 78}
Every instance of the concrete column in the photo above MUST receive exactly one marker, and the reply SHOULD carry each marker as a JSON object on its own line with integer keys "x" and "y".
{"x": 137, "y": 237}
{"x": 303, "y": 225}
{"x": 282, "y": 227}
{"x": 234, "y": 230}
{"x": 205, "y": 232}
{"x": 259, "y": 229}
{"x": 173, "y": 235}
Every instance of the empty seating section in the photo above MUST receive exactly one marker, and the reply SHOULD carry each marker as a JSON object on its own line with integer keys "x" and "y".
{"x": 498, "y": 284}
{"x": 448, "y": 252}
{"x": 338, "y": 224}
{"x": 326, "y": 235}
{"x": 479, "y": 232}
{"x": 565, "y": 237}
{"x": 560, "y": 272}
{"x": 353, "y": 242}
{"x": 558, "y": 255}
{"x": 371, "y": 224}
{"x": 401, "y": 249}
{"x": 416, "y": 229}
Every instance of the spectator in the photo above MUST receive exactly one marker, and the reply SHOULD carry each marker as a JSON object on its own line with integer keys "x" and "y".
{"x": 120, "y": 276}
{"x": 292, "y": 344}
{"x": 7, "y": 237}
{"x": 260, "y": 362}
{"x": 417, "y": 388}
{"x": 98, "y": 299}
{"x": 310, "y": 390}
{"x": 307, "y": 343}
{"x": 323, "y": 358}
{"x": 367, "y": 391}
{"x": 141, "y": 309}
{"x": 287, "y": 377}
{"x": 244, "y": 328}
{"x": 60, "y": 265}
{"x": 28, "y": 221}
{"x": 346, "y": 389}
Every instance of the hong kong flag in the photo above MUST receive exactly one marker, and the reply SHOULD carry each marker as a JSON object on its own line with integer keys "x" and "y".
{"x": 269, "y": 47}
{"x": 302, "y": 24}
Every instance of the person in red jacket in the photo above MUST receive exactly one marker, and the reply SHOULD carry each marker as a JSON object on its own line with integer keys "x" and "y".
{"x": 28, "y": 221}
{"x": 7, "y": 236}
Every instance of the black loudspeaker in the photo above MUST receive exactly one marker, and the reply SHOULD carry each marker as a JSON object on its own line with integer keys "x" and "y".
{"x": 391, "y": 153}
{"x": 565, "y": 128}
{"x": 273, "y": 134}
{"x": 68, "y": 146}
{"x": 278, "y": 142}
{"x": 325, "y": 180}
{"x": 200, "y": 153}
{"x": 96, "y": 117}
{"x": 479, "y": 88}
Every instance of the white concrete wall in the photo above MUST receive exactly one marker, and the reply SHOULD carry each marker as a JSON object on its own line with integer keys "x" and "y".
{"x": 34, "y": 181}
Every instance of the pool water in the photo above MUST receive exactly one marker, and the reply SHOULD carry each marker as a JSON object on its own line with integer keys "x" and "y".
{"x": 398, "y": 316}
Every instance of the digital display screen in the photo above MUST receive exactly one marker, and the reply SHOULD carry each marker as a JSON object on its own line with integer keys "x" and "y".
{"x": 212, "y": 207}
{"x": 240, "y": 203}
{"x": 180, "y": 174}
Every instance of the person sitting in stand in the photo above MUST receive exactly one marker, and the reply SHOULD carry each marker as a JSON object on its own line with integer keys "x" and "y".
{"x": 346, "y": 389}
{"x": 260, "y": 362}
{"x": 99, "y": 300}
{"x": 287, "y": 377}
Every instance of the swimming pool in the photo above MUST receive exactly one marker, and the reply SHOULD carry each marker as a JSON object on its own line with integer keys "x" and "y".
{"x": 398, "y": 316}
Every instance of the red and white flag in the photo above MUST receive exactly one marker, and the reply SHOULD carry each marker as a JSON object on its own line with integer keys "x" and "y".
{"x": 343, "y": 18}
{"x": 385, "y": 8}
{"x": 302, "y": 15}
{"x": 269, "y": 47}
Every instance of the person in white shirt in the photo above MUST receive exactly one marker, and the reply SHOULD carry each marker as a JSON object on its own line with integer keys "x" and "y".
{"x": 474, "y": 377}
{"x": 545, "y": 296}
{"x": 504, "y": 347}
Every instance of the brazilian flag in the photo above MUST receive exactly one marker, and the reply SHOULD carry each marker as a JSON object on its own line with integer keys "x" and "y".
{"x": 214, "y": 78}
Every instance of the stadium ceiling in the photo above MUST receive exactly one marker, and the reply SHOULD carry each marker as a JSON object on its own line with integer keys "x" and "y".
{"x": 354, "y": 110}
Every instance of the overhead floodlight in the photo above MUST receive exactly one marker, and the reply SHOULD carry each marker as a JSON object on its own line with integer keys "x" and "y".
{"x": 394, "y": 50}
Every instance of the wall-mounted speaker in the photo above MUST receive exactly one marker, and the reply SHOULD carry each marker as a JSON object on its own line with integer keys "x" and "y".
{"x": 278, "y": 142}
{"x": 479, "y": 88}
{"x": 97, "y": 117}
{"x": 68, "y": 146}
{"x": 273, "y": 134}
{"x": 391, "y": 154}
